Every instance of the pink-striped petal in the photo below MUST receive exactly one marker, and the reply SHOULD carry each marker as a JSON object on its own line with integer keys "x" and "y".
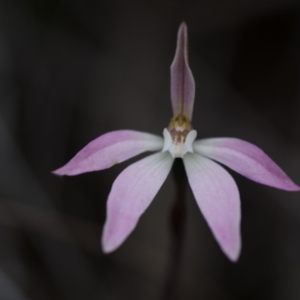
{"x": 246, "y": 159}
{"x": 218, "y": 198}
{"x": 110, "y": 149}
{"x": 131, "y": 194}
{"x": 182, "y": 80}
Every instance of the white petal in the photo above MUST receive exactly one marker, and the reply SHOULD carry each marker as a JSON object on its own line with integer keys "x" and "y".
{"x": 131, "y": 194}
{"x": 246, "y": 159}
{"x": 167, "y": 140}
{"x": 109, "y": 149}
{"x": 179, "y": 149}
{"x": 218, "y": 198}
{"x": 189, "y": 140}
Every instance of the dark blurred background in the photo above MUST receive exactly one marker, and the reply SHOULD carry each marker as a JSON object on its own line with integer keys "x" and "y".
{"x": 73, "y": 70}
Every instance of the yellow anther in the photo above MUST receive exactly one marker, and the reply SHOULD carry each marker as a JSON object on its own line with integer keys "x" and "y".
{"x": 179, "y": 128}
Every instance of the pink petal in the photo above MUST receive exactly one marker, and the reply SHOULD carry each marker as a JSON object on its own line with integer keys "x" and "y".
{"x": 218, "y": 198}
{"x": 182, "y": 80}
{"x": 246, "y": 159}
{"x": 131, "y": 194}
{"x": 110, "y": 149}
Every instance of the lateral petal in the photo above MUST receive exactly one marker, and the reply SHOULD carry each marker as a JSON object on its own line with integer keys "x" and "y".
{"x": 218, "y": 198}
{"x": 110, "y": 149}
{"x": 182, "y": 80}
{"x": 246, "y": 159}
{"x": 131, "y": 194}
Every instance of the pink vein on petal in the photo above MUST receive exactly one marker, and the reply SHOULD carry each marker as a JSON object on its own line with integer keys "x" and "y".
{"x": 109, "y": 149}
{"x": 131, "y": 194}
{"x": 246, "y": 159}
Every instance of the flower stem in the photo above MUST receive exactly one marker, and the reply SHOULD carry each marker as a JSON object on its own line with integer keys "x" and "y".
{"x": 177, "y": 219}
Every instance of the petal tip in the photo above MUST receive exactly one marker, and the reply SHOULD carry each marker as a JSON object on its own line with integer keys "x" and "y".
{"x": 182, "y": 38}
{"x": 232, "y": 250}
{"x": 107, "y": 247}
{"x": 65, "y": 170}
{"x": 58, "y": 172}
{"x": 235, "y": 255}
{"x": 182, "y": 26}
{"x": 111, "y": 240}
{"x": 288, "y": 184}
{"x": 292, "y": 187}
{"x": 282, "y": 182}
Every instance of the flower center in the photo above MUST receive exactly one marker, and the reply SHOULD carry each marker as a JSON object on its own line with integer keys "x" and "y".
{"x": 179, "y": 136}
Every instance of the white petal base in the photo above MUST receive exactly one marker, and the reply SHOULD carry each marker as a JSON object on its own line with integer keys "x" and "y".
{"x": 179, "y": 149}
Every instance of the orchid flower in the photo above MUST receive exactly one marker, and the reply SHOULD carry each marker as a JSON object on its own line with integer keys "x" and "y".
{"x": 215, "y": 191}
